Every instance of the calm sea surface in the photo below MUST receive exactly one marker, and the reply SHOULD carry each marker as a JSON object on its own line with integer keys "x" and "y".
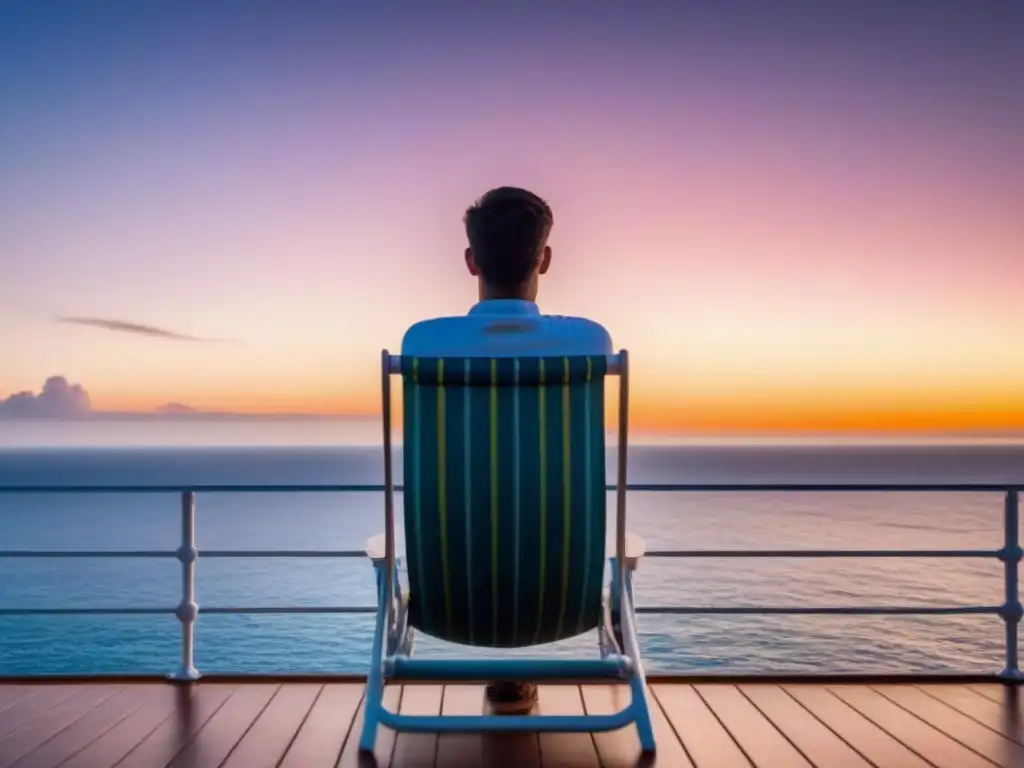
{"x": 311, "y": 643}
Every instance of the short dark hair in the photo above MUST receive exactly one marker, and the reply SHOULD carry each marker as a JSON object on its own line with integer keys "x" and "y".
{"x": 507, "y": 230}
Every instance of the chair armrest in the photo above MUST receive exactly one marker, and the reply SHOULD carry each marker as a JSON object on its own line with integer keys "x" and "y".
{"x": 376, "y": 547}
{"x": 636, "y": 548}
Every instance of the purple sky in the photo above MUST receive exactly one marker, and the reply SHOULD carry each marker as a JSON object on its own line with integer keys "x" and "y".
{"x": 802, "y": 215}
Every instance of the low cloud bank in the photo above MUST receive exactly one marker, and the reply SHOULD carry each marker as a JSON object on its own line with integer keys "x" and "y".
{"x": 61, "y": 400}
{"x": 58, "y": 399}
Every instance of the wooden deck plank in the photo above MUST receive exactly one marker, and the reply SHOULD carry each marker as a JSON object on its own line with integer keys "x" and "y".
{"x": 930, "y": 743}
{"x": 957, "y": 726}
{"x": 621, "y": 749}
{"x": 308, "y": 724}
{"x": 215, "y": 742}
{"x": 266, "y": 742}
{"x": 564, "y": 749}
{"x": 461, "y": 750}
{"x": 1003, "y": 719}
{"x": 194, "y": 707}
{"x": 764, "y": 745}
{"x": 814, "y": 739}
{"x": 321, "y": 737}
{"x": 13, "y": 694}
{"x": 614, "y": 748}
{"x": 508, "y": 750}
{"x": 108, "y": 748}
{"x": 385, "y": 736}
{"x": 54, "y": 720}
{"x": 855, "y": 729}
{"x": 707, "y": 742}
{"x": 418, "y": 750}
{"x": 35, "y": 704}
{"x": 997, "y": 692}
{"x": 757, "y": 736}
{"x": 58, "y": 746}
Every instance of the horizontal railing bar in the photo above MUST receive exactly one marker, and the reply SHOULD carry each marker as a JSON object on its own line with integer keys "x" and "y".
{"x": 205, "y": 553}
{"x": 87, "y": 611}
{"x": 270, "y": 609}
{"x": 333, "y": 609}
{"x": 666, "y": 610}
{"x": 62, "y": 489}
{"x": 811, "y": 553}
{"x": 353, "y": 553}
{"x": 635, "y": 487}
{"x": 56, "y": 553}
{"x": 672, "y": 610}
{"x": 826, "y": 487}
{"x": 656, "y": 553}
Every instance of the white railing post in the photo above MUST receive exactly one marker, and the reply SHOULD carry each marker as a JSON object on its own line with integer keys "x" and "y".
{"x": 188, "y": 609}
{"x": 1011, "y": 611}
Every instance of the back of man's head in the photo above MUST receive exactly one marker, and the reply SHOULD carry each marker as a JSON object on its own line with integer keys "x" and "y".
{"x": 508, "y": 232}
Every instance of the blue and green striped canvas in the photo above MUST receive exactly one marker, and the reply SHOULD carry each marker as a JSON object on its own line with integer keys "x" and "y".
{"x": 504, "y": 464}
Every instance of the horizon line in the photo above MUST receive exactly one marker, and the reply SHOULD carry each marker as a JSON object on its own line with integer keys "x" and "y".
{"x": 656, "y": 433}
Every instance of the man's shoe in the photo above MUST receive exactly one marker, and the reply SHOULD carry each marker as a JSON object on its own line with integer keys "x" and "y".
{"x": 511, "y": 698}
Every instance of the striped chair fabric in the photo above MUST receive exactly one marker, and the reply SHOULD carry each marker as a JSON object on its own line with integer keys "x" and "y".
{"x": 504, "y": 465}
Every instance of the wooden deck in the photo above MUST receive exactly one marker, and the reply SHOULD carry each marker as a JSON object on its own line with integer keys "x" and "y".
{"x": 314, "y": 725}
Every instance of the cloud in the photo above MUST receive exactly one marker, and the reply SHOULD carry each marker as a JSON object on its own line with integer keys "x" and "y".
{"x": 59, "y": 399}
{"x": 122, "y": 326}
{"x": 175, "y": 408}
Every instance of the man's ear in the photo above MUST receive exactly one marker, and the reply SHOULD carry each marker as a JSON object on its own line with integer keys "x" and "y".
{"x": 474, "y": 270}
{"x": 545, "y": 260}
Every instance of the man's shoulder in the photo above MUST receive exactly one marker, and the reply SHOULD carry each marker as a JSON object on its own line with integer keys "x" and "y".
{"x": 454, "y": 335}
{"x": 575, "y": 323}
{"x": 429, "y": 332}
{"x": 588, "y": 333}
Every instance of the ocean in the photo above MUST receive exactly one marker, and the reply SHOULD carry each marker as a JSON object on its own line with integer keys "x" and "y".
{"x": 340, "y": 643}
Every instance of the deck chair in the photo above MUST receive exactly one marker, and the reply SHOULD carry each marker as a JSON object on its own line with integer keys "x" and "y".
{"x": 505, "y": 536}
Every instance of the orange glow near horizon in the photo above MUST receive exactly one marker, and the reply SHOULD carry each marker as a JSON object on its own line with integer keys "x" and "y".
{"x": 653, "y": 409}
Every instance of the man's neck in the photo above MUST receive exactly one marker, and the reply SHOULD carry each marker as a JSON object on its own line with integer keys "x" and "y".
{"x": 527, "y": 293}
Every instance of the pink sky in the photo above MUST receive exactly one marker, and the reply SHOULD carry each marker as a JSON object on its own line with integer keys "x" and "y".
{"x": 799, "y": 220}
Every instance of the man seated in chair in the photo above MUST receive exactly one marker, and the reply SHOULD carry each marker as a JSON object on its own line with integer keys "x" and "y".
{"x": 508, "y": 231}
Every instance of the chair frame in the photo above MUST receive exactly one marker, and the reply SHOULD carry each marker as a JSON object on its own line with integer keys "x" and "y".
{"x": 617, "y": 635}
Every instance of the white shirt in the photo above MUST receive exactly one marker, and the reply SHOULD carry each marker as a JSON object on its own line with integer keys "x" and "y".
{"x": 506, "y": 328}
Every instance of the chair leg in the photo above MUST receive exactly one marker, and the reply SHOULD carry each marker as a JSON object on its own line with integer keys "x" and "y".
{"x": 626, "y": 627}
{"x": 408, "y": 644}
{"x": 375, "y": 675}
{"x": 644, "y": 729}
{"x": 616, "y": 605}
{"x": 406, "y": 635}
{"x": 371, "y": 713}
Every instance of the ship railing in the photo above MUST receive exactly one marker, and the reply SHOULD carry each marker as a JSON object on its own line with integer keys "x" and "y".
{"x": 187, "y": 610}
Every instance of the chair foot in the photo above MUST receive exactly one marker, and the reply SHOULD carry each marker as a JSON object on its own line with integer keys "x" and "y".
{"x": 645, "y": 733}
{"x": 368, "y": 738}
{"x": 644, "y": 729}
{"x": 373, "y": 702}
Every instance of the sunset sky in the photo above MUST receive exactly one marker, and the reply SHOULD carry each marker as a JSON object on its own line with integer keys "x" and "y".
{"x": 796, "y": 216}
